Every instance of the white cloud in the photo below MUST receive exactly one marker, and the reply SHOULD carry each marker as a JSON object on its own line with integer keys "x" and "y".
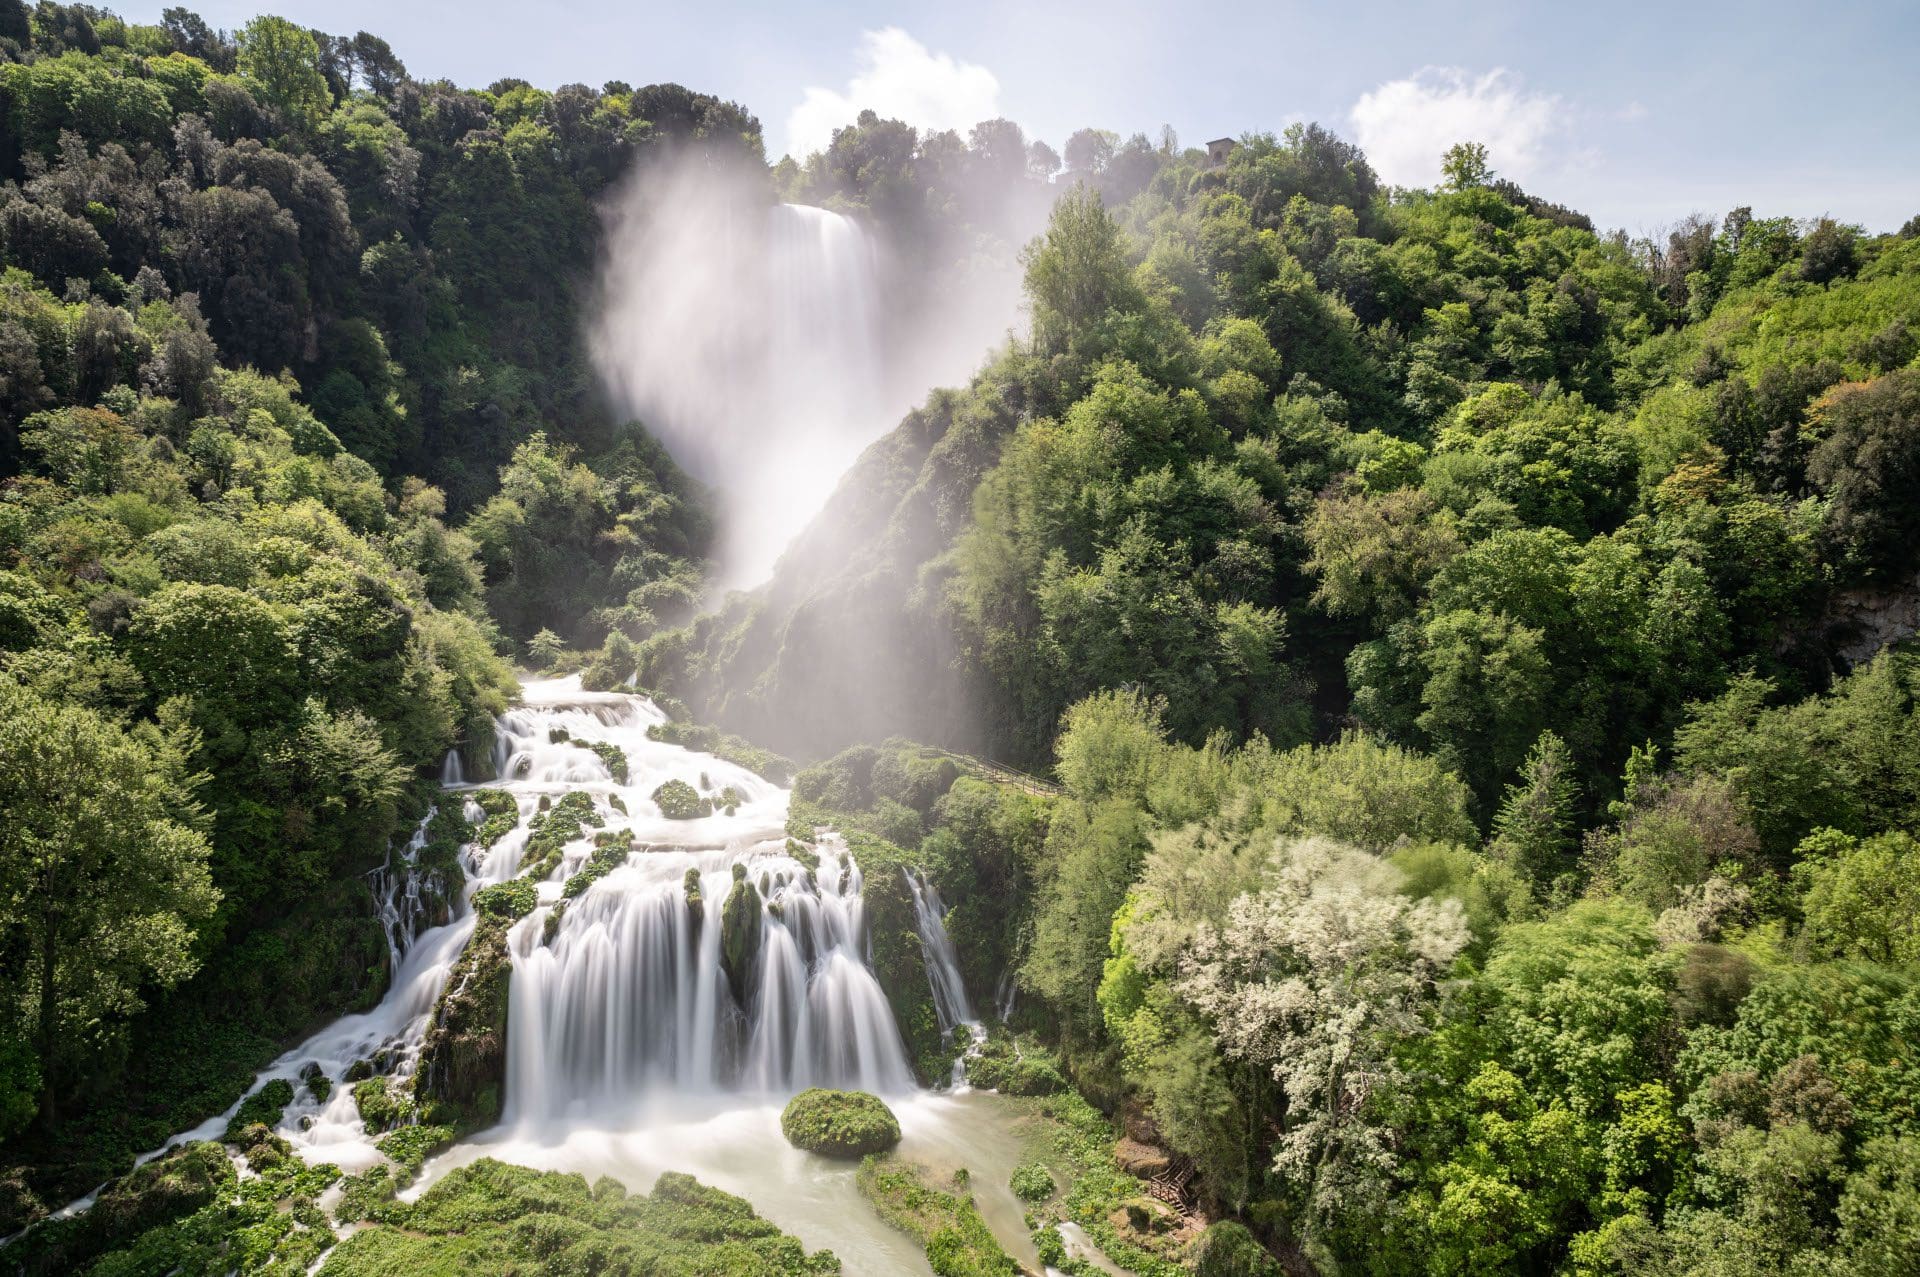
{"x": 1405, "y": 126}
{"x": 901, "y": 79}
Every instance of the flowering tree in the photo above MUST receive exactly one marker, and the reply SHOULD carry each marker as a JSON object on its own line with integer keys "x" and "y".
{"x": 1314, "y": 977}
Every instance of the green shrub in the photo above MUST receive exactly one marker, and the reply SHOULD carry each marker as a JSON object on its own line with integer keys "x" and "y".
{"x": 1031, "y": 1182}
{"x": 677, "y": 800}
{"x": 512, "y": 899}
{"x": 839, "y": 1123}
{"x": 1227, "y": 1249}
{"x": 503, "y": 813}
{"x": 263, "y": 1106}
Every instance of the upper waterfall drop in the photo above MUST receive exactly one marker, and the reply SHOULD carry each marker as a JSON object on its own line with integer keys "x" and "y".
{"x": 749, "y": 337}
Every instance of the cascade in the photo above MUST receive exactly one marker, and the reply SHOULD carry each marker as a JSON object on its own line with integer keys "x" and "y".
{"x": 750, "y": 339}
{"x": 943, "y": 970}
{"x": 636, "y": 1039}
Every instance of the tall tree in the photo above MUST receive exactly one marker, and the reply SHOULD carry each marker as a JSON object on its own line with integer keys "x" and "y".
{"x": 102, "y": 875}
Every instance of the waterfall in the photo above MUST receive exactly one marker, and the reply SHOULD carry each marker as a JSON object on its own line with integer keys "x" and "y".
{"x": 943, "y": 965}
{"x": 750, "y": 338}
{"x": 451, "y": 772}
{"x": 943, "y": 971}
{"x": 624, "y": 998}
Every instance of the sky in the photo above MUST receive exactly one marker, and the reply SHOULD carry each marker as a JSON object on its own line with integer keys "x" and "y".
{"x": 1638, "y": 114}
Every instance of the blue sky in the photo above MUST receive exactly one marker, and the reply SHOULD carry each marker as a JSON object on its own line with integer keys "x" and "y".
{"x": 1636, "y": 113}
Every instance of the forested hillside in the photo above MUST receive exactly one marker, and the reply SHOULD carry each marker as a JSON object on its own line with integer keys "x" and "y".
{"x": 1487, "y": 831}
{"x": 1454, "y": 749}
{"x": 293, "y": 401}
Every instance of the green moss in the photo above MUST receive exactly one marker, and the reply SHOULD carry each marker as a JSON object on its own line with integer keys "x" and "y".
{"x": 553, "y": 828}
{"x": 409, "y": 1146}
{"x": 1015, "y": 1067}
{"x": 612, "y": 755}
{"x": 381, "y": 1103}
{"x": 711, "y": 740}
{"x": 1031, "y": 1182}
{"x": 492, "y": 1218}
{"x": 507, "y": 901}
{"x": 263, "y": 1106}
{"x": 165, "y": 1189}
{"x": 677, "y": 800}
{"x": 503, "y": 814}
{"x": 691, "y": 885}
{"x": 740, "y": 926}
{"x": 839, "y": 1123}
{"x": 898, "y": 961}
{"x": 609, "y": 853}
{"x": 463, "y": 1059}
{"x": 947, "y": 1223}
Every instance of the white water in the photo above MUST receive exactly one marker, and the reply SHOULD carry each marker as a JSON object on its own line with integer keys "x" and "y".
{"x": 628, "y": 1051}
{"x": 748, "y": 337}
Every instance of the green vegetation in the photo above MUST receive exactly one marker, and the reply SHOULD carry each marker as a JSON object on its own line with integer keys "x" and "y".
{"x": 958, "y": 1242}
{"x": 1469, "y": 657}
{"x": 494, "y": 1218}
{"x": 677, "y": 800}
{"x": 839, "y": 1123}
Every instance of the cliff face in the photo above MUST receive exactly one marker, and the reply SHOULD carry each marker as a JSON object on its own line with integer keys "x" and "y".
{"x": 1863, "y": 621}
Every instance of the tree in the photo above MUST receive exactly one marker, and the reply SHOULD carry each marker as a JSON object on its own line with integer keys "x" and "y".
{"x": 1465, "y": 166}
{"x": 102, "y": 874}
{"x": 1533, "y": 830}
{"x": 1313, "y": 978}
{"x": 280, "y": 62}
{"x": 1076, "y": 272}
{"x": 1868, "y": 466}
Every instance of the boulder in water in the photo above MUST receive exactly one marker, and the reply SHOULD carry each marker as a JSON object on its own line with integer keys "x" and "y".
{"x": 740, "y": 935}
{"x": 848, "y": 1124}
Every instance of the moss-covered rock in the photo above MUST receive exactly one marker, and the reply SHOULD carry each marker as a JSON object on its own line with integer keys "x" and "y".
{"x": 463, "y": 1059}
{"x": 711, "y": 740}
{"x": 740, "y": 924}
{"x": 165, "y": 1189}
{"x": 492, "y": 1218}
{"x": 1013, "y": 1067}
{"x": 839, "y": 1123}
{"x": 382, "y": 1103}
{"x": 1031, "y": 1182}
{"x": 507, "y": 901}
{"x": 410, "y": 1146}
{"x": 502, "y": 814}
{"x": 899, "y": 962}
{"x": 264, "y": 1106}
{"x": 677, "y": 800}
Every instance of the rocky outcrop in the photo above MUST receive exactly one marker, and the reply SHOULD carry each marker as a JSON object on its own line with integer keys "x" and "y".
{"x": 740, "y": 935}
{"x": 463, "y": 1061}
{"x": 1862, "y": 622}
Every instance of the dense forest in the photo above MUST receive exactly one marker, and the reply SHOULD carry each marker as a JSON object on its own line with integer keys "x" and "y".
{"x": 1434, "y": 751}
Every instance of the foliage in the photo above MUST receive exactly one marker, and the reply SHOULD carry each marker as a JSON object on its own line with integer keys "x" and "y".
{"x": 957, "y": 1240}
{"x": 848, "y": 1124}
{"x": 491, "y": 1217}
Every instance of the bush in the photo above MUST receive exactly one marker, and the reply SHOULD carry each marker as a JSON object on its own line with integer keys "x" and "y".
{"x": 508, "y": 900}
{"x": 839, "y": 1123}
{"x": 1227, "y": 1249}
{"x": 263, "y": 1106}
{"x": 1031, "y": 1182}
{"x": 677, "y": 800}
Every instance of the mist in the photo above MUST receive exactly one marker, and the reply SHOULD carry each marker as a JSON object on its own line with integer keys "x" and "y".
{"x": 768, "y": 344}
